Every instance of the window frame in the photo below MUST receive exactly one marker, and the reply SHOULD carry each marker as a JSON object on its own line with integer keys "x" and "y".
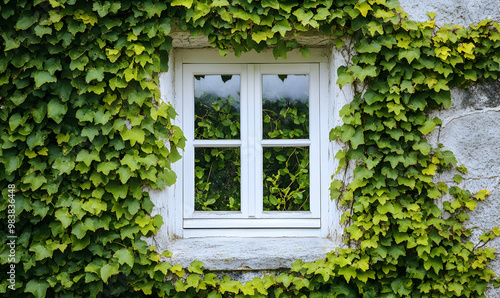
{"x": 328, "y": 213}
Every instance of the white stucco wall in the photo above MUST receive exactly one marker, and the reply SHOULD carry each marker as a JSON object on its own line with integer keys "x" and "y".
{"x": 460, "y": 12}
{"x": 471, "y": 126}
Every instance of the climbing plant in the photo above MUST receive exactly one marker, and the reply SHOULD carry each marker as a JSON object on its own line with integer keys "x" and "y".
{"x": 84, "y": 136}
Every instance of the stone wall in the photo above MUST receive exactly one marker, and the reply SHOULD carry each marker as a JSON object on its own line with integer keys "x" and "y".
{"x": 471, "y": 126}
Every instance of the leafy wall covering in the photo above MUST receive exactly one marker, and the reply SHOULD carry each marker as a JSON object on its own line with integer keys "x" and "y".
{"x": 83, "y": 137}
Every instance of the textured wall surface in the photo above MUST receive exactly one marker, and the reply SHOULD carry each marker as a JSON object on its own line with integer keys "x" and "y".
{"x": 471, "y": 130}
{"x": 460, "y": 12}
{"x": 471, "y": 126}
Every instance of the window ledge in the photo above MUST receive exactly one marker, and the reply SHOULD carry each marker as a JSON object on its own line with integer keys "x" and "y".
{"x": 247, "y": 253}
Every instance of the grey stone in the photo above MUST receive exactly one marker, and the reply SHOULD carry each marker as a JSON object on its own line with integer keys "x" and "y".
{"x": 460, "y": 12}
{"x": 247, "y": 254}
{"x": 471, "y": 130}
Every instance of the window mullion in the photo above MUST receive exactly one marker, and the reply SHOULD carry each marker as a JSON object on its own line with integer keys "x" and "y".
{"x": 246, "y": 153}
{"x": 257, "y": 136}
{"x": 251, "y": 153}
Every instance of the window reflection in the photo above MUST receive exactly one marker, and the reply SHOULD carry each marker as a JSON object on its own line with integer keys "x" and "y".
{"x": 217, "y": 106}
{"x": 285, "y": 106}
{"x": 217, "y": 179}
{"x": 286, "y": 179}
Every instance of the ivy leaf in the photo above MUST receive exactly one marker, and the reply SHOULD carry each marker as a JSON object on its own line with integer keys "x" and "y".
{"x": 409, "y": 55}
{"x": 285, "y": 279}
{"x": 218, "y": 3}
{"x": 42, "y": 77}
{"x": 64, "y": 165}
{"x": 362, "y": 72}
{"x": 427, "y": 127}
{"x": 90, "y": 132}
{"x": 64, "y": 217}
{"x": 355, "y": 232}
{"x": 131, "y": 162}
{"x": 430, "y": 170}
{"x": 117, "y": 190}
{"x": 481, "y": 195}
{"x": 303, "y": 16}
{"x": 143, "y": 220}
{"x": 102, "y": 118}
{"x": 169, "y": 177}
{"x": 271, "y": 3}
{"x": 365, "y": 47}
{"x": 186, "y": 3}
{"x": 347, "y": 272}
{"x": 87, "y": 157}
{"x": 305, "y": 52}
{"x": 106, "y": 167}
{"x": 37, "y": 288}
{"x": 79, "y": 230}
{"x": 443, "y": 97}
{"x": 125, "y": 174}
{"x": 134, "y": 135}
{"x": 163, "y": 267}
{"x": 41, "y": 251}
{"x": 79, "y": 63}
{"x": 34, "y": 180}
{"x": 282, "y": 27}
{"x": 395, "y": 251}
{"x": 321, "y": 14}
{"x": 344, "y": 77}
{"x": 358, "y": 138}
{"x": 40, "y": 31}
{"x": 26, "y": 21}
{"x": 18, "y": 97}
{"x": 372, "y": 96}
{"x": 15, "y": 121}
{"x": 56, "y": 110}
{"x": 259, "y": 36}
{"x": 109, "y": 270}
{"x": 95, "y": 74}
{"x": 363, "y": 7}
{"x": 132, "y": 206}
{"x": 125, "y": 255}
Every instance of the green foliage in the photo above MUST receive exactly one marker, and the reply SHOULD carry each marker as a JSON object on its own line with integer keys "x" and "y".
{"x": 82, "y": 136}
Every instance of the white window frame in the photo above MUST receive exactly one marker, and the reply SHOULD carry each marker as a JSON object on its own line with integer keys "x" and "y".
{"x": 320, "y": 222}
{"x": 251, "y": 145}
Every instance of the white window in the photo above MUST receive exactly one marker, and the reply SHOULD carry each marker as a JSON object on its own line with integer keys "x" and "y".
{"x": 252, "y": 158}
{"x": 256, "y": 157}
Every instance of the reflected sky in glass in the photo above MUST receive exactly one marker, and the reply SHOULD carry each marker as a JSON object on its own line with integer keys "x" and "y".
{"x": 285, "y": 106}
{"x": 217, "y": 106}
{"x": 214, "y": 84}
{"x": 295, "y": 87}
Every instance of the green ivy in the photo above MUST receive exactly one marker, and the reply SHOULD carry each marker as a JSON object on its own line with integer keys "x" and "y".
{"x": 83, "y": 135}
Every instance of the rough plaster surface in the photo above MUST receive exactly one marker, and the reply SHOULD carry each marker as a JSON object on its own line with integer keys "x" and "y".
{"x": 460, "y": 12}
{"x": 471, "y": 130}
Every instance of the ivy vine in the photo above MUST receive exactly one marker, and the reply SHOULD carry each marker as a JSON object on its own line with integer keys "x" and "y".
{"x": 84, "y": 135}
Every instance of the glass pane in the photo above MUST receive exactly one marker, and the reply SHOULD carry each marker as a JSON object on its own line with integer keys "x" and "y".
{"x": 217, "y": 179}
{"x": 285, "y": 106}
{"x": 217, "y": 106}
{"x": 286, "y": 179}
